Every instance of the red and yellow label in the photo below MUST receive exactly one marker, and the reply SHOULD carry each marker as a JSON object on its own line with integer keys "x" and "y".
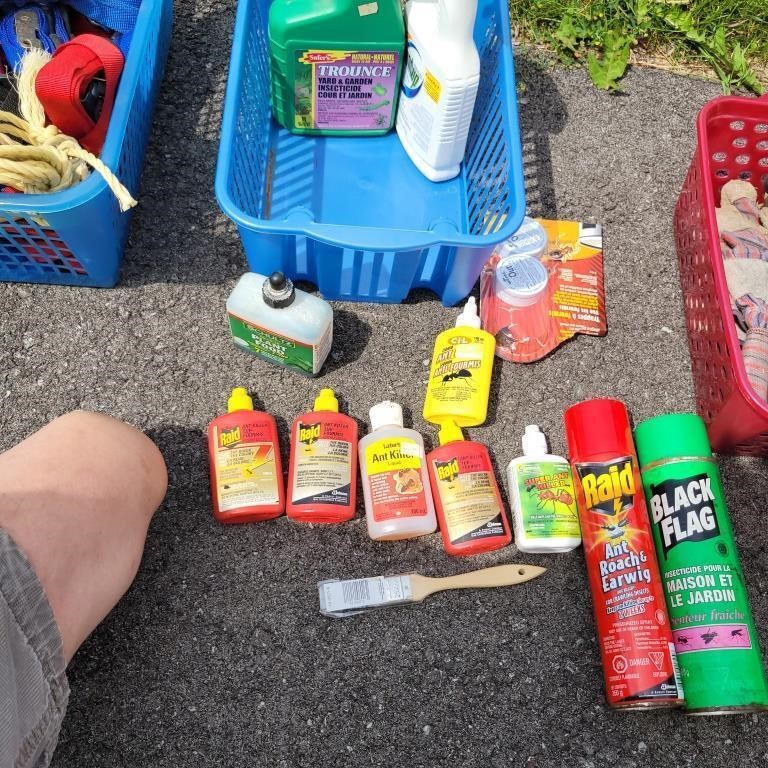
{"x": 246, "y": 472}
{"x": 394, "y": 469}
{"x": 635, "y": 637}
{"x": 465, "y": 488}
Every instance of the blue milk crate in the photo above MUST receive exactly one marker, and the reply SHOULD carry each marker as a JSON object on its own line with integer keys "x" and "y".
{"x": 353, "y": 215}
{"x": 78, "y": 236}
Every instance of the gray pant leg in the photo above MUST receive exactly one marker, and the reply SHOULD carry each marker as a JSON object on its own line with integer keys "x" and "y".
{"x": 33, "y": 682}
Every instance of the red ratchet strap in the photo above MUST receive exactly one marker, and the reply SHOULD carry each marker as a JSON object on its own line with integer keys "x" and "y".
{"x": 63, "y": 82}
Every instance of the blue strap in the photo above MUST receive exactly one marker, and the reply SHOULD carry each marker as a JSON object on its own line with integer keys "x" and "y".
{"x": 60, "y": 25}
{"x": 117, "y": 15}
{"x": 46, "y": 29}
{"x": 123, "y": 42}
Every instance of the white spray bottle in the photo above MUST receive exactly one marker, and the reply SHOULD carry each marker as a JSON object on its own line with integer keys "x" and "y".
{"x": 440, "y": 85}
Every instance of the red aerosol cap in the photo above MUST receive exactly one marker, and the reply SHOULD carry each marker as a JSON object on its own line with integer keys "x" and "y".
{"x": 598, "y": 428}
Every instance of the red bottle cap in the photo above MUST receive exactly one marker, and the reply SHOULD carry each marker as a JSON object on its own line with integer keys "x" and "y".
{"x": 597, "y": 427}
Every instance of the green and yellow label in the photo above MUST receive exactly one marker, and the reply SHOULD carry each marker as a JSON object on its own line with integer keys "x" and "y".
{"x": 547, "y": 500}
{"x": 270, "y": 346}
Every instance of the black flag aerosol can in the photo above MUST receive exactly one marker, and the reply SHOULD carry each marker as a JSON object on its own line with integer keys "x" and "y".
{"x": 712, "y": 624}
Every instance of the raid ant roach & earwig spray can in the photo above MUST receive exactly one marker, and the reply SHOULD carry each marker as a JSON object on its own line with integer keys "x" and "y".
{"x": 713, "y": 629}
{"x": 633, "y": 630}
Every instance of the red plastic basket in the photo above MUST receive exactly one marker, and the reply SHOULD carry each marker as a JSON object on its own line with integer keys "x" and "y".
{"x": 732, "y": 144}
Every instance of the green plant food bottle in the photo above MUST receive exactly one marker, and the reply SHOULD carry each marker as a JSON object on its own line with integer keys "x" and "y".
{"x": 712, "y": 624}
{"x": 336, "y": 65}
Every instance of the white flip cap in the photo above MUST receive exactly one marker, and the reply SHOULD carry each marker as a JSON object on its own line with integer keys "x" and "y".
{"x": 386, "y": 414}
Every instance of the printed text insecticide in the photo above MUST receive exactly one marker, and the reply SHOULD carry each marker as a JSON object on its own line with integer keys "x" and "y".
{"x": 336, "y": 65}
{"x": 322, "y": 477}
{"x": 633, "y": 629}
{"x": 460, "y": 374}
{"x": 466, "y": 494}
{"x": 246, "y": 475}
{"x": 542, "y": 498}
{"x": 393, "y": 467}
{"x": 712, "y": 624}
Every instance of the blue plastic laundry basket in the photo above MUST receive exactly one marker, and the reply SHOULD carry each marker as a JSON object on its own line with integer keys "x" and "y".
{"x": 77, "y": 237}
{"x": 353, "y": 215}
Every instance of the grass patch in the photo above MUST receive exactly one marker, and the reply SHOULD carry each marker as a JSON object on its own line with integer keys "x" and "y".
{"x": 728, "y": 36}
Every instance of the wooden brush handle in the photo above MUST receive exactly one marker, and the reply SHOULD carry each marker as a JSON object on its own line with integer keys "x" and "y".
{"x": 498, "y": 576}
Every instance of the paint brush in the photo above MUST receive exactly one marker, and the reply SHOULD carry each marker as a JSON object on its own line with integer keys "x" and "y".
{"x": 340, "y": 599}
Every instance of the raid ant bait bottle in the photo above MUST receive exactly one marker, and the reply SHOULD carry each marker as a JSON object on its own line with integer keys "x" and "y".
{"x": 466, "y": 495}
{"x": 323, "y": 468}
{"x": 244, "y": 453}
{"x": 633, "y": 630}
{"x": 712, "y": 624}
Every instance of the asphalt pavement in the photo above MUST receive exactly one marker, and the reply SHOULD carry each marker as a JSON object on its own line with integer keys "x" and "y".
{"x": 218, "y": 656}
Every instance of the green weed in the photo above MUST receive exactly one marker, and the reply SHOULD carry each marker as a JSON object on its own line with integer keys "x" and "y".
{"x": 728, "y": 36}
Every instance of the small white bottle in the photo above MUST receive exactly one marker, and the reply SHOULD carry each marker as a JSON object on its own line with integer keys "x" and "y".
{"x": 270, "y": 318}
{"x": 440, "y": 84}
{"x": 393, "y": 467}
{"x": 542, "y": 498}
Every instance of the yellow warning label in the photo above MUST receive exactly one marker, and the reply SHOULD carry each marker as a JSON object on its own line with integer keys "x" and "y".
{"x": 392, "y": 454}
{"x": 432, "y": 87}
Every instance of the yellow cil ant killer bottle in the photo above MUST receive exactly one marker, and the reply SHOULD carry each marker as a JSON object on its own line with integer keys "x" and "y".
{"x": 460, "y": 376}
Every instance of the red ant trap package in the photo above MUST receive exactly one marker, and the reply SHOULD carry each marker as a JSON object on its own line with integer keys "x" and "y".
{"x": 542, "y": 287}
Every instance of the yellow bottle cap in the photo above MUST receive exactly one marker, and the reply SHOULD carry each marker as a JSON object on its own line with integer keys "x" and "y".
{"x": 326, "y": 401}
{"x": 240, "y": 400}
{"x": 450, "y": 432}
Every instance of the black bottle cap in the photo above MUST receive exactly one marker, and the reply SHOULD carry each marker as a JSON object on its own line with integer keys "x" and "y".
{"x": 278, "y": 291}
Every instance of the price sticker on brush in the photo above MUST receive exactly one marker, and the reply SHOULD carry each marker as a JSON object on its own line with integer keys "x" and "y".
{"x": 346, "y": 598}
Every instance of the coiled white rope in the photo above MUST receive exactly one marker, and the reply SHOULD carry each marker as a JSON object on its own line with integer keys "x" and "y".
{"x": 36, "y": 158}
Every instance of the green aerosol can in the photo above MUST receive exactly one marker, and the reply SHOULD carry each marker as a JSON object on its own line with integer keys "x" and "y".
{"x": 712, "y": 625}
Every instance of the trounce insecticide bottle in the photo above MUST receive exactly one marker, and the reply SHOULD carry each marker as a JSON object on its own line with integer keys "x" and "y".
{"x": 335, "y": 65}
{"x": 460, "y": 374}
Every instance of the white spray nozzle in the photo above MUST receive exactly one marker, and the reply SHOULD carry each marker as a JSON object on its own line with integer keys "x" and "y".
{"x": 534, "y": 441}
{"x": 469, "y": 316}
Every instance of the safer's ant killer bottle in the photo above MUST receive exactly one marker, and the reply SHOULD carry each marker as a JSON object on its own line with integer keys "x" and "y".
{"x": 460, "y": 376}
